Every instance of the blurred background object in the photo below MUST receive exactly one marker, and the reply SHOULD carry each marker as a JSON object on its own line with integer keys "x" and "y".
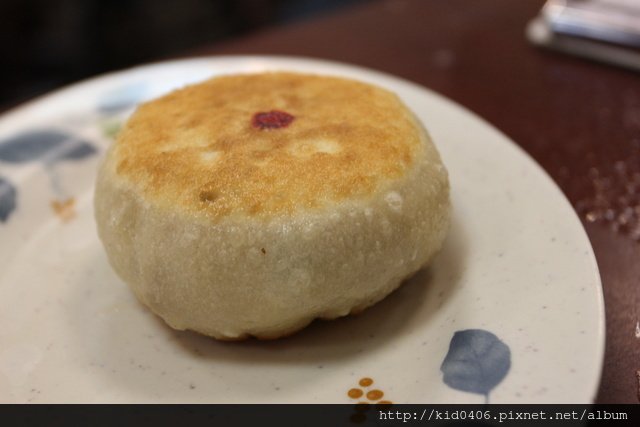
{"x": 50, "y": 43}
{"x": 603, "y": 30}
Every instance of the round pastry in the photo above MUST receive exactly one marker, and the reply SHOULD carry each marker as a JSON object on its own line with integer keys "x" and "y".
{"x": 251, "y": 204}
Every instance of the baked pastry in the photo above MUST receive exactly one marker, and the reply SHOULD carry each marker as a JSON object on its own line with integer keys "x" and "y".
{"x": 251, "y": 204}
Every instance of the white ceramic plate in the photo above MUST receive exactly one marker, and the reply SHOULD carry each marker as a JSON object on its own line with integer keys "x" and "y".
{"x": 511, "y": 311}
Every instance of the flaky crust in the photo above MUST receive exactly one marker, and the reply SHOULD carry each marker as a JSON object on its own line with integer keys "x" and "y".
{"x": 301, "y": 230}
{"x": 197, "y": 147}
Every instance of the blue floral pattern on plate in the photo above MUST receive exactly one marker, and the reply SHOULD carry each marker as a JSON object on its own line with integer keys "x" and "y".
{"x": 48, "y": 146}
{"x": 477, "y": 361}
{"x": 121, "y": 98}
{"x": 51, "y": 146}
{"x": 7, "y": 199}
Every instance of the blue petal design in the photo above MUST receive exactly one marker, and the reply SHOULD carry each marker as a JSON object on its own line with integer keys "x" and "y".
{"x": 121, "y": 98}
{"x": 76, "y": 150}
{"x": 7, "y": 199}
{"x": 49, "y": 146}
{"x": 477, "y": 361}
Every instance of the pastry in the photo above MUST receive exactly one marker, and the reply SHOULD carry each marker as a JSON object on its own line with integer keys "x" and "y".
{"x": 251, "y": 204}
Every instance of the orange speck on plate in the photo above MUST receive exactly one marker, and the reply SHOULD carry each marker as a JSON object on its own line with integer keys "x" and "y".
{"x": 375, "y": 395}
{"x": 355, "y": 393}
{"x": 383, "y": 405}
{"x": 366, "y": 382}
{"x": 64, "y": 209}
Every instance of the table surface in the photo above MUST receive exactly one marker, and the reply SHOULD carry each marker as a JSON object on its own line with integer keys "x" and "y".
{"x": 580, "y": 120}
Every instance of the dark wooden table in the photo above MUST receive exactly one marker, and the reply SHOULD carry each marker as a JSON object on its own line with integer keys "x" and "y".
{"x": 579, "y": 120}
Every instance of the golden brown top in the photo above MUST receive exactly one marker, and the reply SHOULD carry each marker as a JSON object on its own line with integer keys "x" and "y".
{"x": 261, "y": 144}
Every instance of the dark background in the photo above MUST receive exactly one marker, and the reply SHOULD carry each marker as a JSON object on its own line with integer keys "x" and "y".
{"x": 50, "y": 43}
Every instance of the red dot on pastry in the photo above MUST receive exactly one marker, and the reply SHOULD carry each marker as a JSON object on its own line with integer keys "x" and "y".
{"x": 273, "y": 119}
